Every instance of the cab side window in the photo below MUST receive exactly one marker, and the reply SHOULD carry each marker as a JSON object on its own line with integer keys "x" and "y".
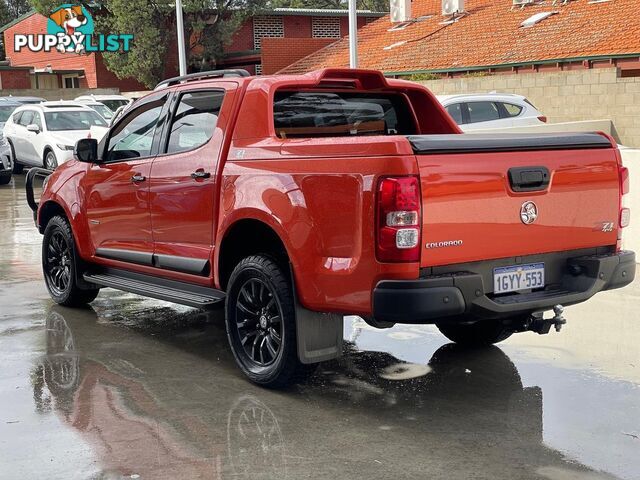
{"x": 194, "y": 121}
{"x": 133, "y": 136}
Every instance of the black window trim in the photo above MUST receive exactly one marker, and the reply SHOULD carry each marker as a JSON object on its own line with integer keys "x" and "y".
{"x": 102, "y": 147}
{"x": 173, "y": 107}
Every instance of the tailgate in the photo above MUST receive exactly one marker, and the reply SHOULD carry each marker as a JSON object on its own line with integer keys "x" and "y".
{"x": 472, "y": 209}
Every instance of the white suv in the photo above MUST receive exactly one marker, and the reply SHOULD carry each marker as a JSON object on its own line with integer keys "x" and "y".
{"x": 45, "y": 134}
{"x": 491, "y": 110}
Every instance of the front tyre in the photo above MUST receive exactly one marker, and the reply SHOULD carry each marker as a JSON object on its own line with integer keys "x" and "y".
{"x": 261, "y": 323}
{"x": 59, "y": 265}
{"x": 50, "y": 160}
{"x": 479, "y": 334}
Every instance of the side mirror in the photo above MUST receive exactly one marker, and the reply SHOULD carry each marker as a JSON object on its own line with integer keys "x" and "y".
{"x": 32, "y": 127}
{"x": 86, "y": 150}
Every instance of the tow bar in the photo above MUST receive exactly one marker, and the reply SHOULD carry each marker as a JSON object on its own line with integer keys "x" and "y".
{"x": 537, "y": 323}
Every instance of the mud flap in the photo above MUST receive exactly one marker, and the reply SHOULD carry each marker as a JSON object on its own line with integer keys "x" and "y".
{"x": 319, "y": 335}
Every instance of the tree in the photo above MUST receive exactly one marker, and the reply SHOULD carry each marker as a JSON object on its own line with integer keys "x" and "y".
{"x": 9, "y": 11}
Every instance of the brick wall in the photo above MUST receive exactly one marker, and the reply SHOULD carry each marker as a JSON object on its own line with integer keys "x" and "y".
{"x": 565, "y": 96}
{"x": 278, "y": 53}
{"x": 12, "y": 79}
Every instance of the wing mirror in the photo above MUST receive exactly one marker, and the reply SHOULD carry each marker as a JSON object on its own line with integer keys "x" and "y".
{"x": 32, "y": 127}
{"x": 86, "y": 150}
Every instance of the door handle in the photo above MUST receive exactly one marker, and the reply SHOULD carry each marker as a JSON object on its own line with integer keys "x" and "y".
{"x": 529, "y": 179}
{"x": 138, "y": 178}
{"x": 200, "y": 174}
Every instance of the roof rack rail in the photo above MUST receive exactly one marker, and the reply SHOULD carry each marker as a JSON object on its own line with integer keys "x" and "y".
{"x": 237, "y": 72}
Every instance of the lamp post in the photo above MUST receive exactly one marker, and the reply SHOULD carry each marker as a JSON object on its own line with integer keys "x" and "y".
{"x": 353, "y": 35}
{"x": 182, "y": 54}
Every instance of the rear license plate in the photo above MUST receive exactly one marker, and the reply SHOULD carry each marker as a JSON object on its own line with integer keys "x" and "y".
{"x": 518, "y": 277}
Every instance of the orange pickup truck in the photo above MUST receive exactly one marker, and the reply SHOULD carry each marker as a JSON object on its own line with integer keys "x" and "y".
{"x": 299, "y": 199}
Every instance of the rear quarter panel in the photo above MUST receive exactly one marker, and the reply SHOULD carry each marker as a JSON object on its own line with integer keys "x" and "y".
{"x": 322, "y": 207}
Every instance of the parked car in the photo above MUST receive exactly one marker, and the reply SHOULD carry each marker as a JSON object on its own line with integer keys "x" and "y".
{"x": 44, "y": 134}
{"x": 111, "y": 101}
{"x": 491, "y": 110}
{"x": 297, "y": 199}
{"x": 104, "y": 111}
{"x": 23, "y": 100}
{"x": 6, "y": 166}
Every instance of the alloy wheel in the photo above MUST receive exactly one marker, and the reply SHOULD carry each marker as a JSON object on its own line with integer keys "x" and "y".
{"x": 259, "y": 322}
{"x": 58, "y": 263}
{"x": 50, "y": 161}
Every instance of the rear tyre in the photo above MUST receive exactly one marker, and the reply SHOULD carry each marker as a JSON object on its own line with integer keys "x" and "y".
{"x": 261, "y": 324}
{"x": 5, "y": 177}
{"x": 479, "y": 334}
{"x": 59, "y": 265}
{"x": 50, "y": 160}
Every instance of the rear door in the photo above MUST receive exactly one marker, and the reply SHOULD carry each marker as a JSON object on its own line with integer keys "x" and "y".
{"x": 183, "y": 183}
{"x": 473, "y": 211}
{"x": 117, "y": 188}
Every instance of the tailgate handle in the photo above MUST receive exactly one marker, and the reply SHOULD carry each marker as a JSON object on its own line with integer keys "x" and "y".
{"x": 529, "y": 179}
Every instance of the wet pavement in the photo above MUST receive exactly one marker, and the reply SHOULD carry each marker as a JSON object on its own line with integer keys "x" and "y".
{"x": 137, "y": 388}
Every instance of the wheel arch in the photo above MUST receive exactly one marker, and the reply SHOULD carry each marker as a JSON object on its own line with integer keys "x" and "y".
{"x": 239, "y": 241}
{"x": 47, "y": 211}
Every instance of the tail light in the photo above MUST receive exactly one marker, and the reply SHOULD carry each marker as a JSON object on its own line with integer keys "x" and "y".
{"x": 398, "y": 219}
{"x": 625, "y": 214}
{"x": 543, "y": 119}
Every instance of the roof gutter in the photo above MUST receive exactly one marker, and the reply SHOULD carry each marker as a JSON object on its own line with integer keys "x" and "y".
{"x": 515, "y": 65}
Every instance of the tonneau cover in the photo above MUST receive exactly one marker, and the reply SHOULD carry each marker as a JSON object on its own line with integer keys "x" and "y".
{"x": 505, "y": 142}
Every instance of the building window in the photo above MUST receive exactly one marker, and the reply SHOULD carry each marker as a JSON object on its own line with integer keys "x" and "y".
{"x": 266, "y": 26}
{"x": 259, "y": 69}
{"x": 70, "y": 81}
{"x": 325, "y": 27}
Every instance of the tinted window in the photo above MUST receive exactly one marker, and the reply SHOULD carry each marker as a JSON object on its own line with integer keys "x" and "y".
{"x": 483, "y": 112}
{"x": 5, "y": 113}
{"x": 455, "y": 111}
{"x": 194, "y": 121}
{"x": 26, "y": 118}
{"x": 133, "y": 135}
{"x": 332, "y": 114}
{"x": 73, "y": 120}
{"x": 512, "y": 110}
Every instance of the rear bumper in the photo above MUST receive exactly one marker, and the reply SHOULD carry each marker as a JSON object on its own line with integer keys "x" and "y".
{"x": 462, "y": 295}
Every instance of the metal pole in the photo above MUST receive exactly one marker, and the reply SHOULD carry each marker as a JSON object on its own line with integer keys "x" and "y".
{"x": 182, "y": 54}
{"x": 353, "y": 35}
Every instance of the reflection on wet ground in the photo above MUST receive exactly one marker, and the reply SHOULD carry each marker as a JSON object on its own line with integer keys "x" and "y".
{"x": 136, "y": 388}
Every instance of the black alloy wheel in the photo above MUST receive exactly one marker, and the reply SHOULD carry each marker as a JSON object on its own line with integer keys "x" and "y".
{"x": 259, "y": 322}
{"x": 57, "y": 263}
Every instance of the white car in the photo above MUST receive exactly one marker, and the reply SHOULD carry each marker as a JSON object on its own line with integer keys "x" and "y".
{"x": 99, "y": 107}
{"x": 491, "y": 110}
{"x": 111, "y": 101}
{"x": 45, "y": 134}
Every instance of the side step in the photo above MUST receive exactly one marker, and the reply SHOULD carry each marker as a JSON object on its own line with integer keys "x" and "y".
{"x": 160, "y": 288}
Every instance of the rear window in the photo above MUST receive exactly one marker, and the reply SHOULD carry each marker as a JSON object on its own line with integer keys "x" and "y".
{"x": 337, "y": 114}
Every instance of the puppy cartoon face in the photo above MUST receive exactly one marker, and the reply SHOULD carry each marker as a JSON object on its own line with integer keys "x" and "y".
{"x": 69, "y": 18}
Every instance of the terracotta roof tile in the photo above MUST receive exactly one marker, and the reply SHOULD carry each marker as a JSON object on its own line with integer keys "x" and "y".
{"x": 489, "y": 35}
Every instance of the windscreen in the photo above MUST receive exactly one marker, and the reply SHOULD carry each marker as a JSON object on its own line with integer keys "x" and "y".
{"x": 73, "y": 120}
{"x": 114, "y": 104}
{"x": 333, "y": 114}
{"x": 103, "y": 110}
{"x": 5, "y": 112}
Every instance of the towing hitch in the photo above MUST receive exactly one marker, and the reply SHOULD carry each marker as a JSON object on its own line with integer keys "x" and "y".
{"x": 537, "y": 323}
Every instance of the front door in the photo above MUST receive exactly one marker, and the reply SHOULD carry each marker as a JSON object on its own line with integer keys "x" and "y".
{"x": 183, "y": 180}
{"x": 117, "y": 188}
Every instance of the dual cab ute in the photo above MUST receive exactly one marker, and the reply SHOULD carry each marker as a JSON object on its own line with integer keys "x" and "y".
{"x": 299, "y": 199}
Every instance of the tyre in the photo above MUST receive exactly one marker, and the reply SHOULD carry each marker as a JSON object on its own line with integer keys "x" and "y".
{"x": 59, "y": 265}
{"x": 261, "y": 326}
{"x": 5, "y": 177}
{"x": 479, "y": 334}
{"x": 16, "y": 167}
{"x": 50, "y": 160}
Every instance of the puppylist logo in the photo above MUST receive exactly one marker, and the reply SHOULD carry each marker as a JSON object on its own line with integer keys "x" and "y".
{"x": 70, "y": 29}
